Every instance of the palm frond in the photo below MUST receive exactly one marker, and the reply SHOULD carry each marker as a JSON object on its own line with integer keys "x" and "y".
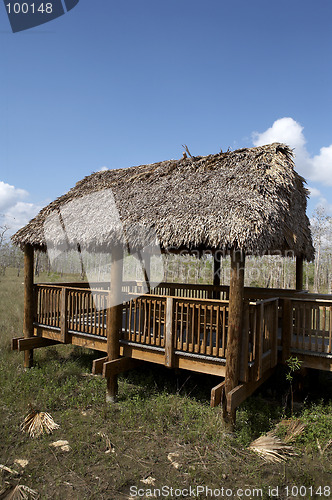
{"x": 271, "y": 448}
{"x": 38, "y": 422}
{"x": 21, "y": 492}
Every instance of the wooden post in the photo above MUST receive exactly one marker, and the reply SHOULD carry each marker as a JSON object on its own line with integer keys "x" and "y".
{"x": 299, "y": 273}
{"x": 234, "y": 335}
{"x": 28, "y": 302}
{"x": 114, "y": 319}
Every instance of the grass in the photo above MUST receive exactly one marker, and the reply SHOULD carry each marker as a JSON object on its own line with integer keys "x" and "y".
{"x": 162, "y": 419}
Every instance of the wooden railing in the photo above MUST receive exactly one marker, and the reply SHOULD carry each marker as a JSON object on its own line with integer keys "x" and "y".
{"x": 312, "y": 325}
{"x": 186, "y": 323}
{"x": 193, "y": 291}
{"x": 259, "y": 343}
{"x": 195, "y": 326}
{"x": 48, "y": 305}
{"x": 200, "y": 326}
{"x": 144, "y": 321}
{"x": 71, "y": 309}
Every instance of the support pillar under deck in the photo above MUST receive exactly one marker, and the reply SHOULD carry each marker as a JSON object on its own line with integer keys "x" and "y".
{"x": 114, "y": 319}
{"x": 234, "y": 336}
{"x": 28, "y": 302}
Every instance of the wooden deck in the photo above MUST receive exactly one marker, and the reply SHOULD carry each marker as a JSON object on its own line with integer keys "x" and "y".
{"x": 185, "y": 326}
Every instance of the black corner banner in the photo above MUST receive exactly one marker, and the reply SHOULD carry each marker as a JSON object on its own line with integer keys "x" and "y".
{"x": 25, "y": 15}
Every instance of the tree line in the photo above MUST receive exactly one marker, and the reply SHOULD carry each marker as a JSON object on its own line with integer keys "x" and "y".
{"x": 269, "y": 271}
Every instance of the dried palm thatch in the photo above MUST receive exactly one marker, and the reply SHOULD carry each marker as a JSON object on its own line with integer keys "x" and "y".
{"x": 251, "y": 199}
{"x": 38, "y": 422}
{"x": 293, "y": 428}
{"x": 20, "y": 492}
{"x": 271, "y": 448}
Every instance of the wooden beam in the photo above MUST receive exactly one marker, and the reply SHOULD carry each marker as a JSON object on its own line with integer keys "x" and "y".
{"x": 169, "y": 334}
{"x": 81, "y": 339}
{"x": 97, "y": 365}
{"x": 299, "y": 273}
{"x": 234, "y": 335}
{"x": 217, "y": 394}
{"x": 25, "y": 344}
{"x": 120, "y": 365}
{"x": 114, "y": 318}
{"x": 317, "y": 362}
{"x": 241, "y": 392}
{"x": 14, "y": 342}
{"x": 28, "y": 302}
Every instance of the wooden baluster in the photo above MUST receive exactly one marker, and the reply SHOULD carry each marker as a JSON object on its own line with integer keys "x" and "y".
{"x": 63, "y": 316}
{"x": 210, "y": 343}
{"x": 169, "y": 333}
{"x": 259, "y": 341}
{"x": 216, "y": 348}
{"x": 323, "y": 329}
{"x": 204, "y": 346}
{"x": 287, "y": 328}
{"x": 149, "y": 311}
{"x": 223, "y": 347}
{"x": 317, "y": 327}
{"x": 274, "y": 348}
{"x": 196, "y": 318}
{"x": 154, "y": 319}
{"x": 180, "y": 344}
{"x": 158, "y": 341}
{"x": 330, "y": 330}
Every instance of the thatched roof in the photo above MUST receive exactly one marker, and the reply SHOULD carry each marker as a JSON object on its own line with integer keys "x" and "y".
{"x": 251, "y": 199}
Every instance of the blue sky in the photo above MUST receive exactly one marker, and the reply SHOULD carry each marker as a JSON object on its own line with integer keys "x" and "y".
{"x": 121, "y": 83}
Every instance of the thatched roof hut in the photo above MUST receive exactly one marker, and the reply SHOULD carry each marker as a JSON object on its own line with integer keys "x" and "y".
{"x": 251, "y": 199}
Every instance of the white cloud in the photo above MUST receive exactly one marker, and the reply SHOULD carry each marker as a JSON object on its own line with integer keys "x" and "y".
{"x": 102, "y": 169}
{"x": 322, "y": 166}
{"x": 15, "y": 213}
{"x": 314, "y": 192}
{"x": 283, "y": 130}
{"x": 9, "y": 195}
{"x": 19, "y": 215}
{"x": 317, "y": 168}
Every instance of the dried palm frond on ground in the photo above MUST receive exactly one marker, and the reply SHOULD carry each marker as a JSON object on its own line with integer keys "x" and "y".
{"x": 38, "y": 422}
{"x": 19, "y": 492}
{"x": 293, "y": 427}
{"x": 7, "y": 469}
{"x": 272, "y": 448}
